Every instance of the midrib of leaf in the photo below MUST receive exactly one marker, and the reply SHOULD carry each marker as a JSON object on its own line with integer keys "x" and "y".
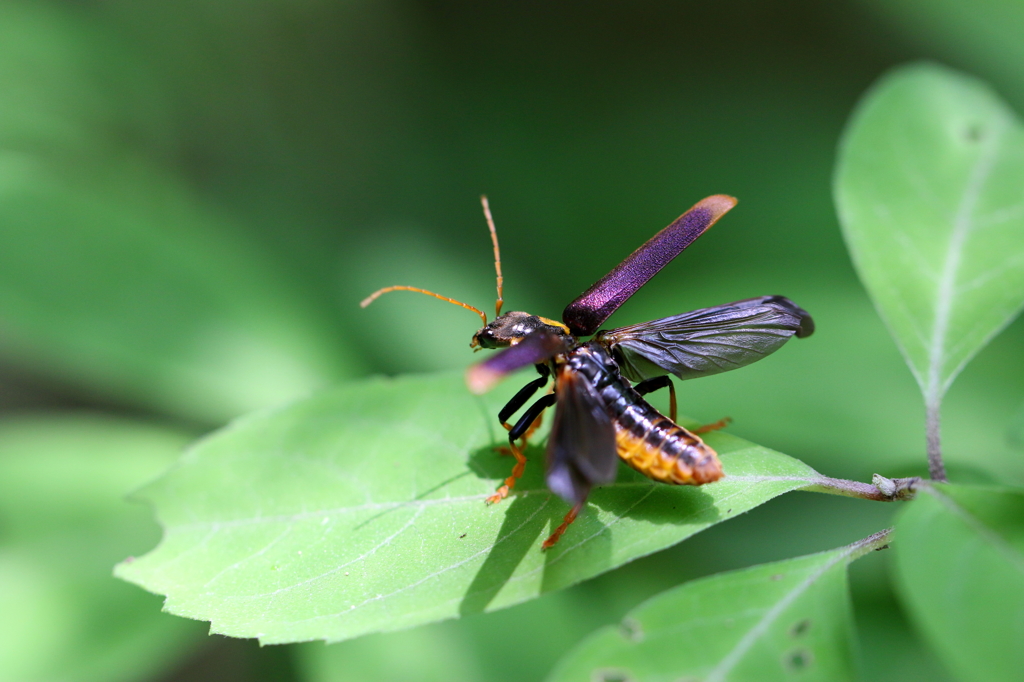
{"x": 580, "y": 543}
{"x": 963, "y": 224}
{"x": 215, "y": 526}
{"x": 736, "y": 654}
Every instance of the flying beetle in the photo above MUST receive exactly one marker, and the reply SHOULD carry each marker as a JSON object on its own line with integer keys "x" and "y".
{"x": 599, "y": 384}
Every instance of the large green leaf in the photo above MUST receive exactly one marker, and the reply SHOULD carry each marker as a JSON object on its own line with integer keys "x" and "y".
{"x": 788, "y": 620}
{"x": 64, "y": 521}
{"x": 960, "y": 569}
{"x": 930, "y": 192}
{"x": 362, "y": 510}
{"x": 114, "y": 274}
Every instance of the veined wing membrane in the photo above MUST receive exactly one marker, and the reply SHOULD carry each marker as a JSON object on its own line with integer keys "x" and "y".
{"x": 707, "y": 341}
{"x": 581, "y": 447}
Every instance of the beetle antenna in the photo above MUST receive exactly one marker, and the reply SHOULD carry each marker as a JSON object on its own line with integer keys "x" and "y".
{"x": 380, "y": 292}
{"x": 497, "y": 253}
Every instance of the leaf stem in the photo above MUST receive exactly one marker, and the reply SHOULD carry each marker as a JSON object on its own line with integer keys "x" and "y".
{"x": 881, "y": 489}
{"x": 936, "y": 469}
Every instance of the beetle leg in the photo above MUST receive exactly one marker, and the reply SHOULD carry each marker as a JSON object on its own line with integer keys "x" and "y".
{"x": 533, "y": 429}
{"x": 518, "y": 431}
{"x": 569, "y": 518}
{"x": 518, "y": 400}
{"x": 649, "y": 385}
{"x": 524, "y": 439}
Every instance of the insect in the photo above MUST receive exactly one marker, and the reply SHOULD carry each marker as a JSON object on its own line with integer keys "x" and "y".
{"x": 599, "y": 384}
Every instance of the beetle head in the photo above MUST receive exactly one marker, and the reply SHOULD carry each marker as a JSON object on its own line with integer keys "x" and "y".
{"x": 512, "y": 327}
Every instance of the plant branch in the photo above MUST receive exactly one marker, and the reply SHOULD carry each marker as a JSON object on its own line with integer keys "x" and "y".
{"x": 881, "y": 489}
{"x": 936, "y": 469}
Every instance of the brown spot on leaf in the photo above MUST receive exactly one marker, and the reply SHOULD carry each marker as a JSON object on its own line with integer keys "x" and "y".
{"x": 631, "y": 629}
{"x": 799, "y": 659}
{"x": 800, "y": 627}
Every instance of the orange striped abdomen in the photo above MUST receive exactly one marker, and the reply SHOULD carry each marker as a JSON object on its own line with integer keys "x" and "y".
{"x": 666, "y": 452}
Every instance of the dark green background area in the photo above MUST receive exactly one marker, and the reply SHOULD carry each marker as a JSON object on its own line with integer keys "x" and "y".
{"x": 256, "y": 168}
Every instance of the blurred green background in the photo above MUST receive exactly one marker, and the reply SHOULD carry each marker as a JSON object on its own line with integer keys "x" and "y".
{"x": 194, "y": 196}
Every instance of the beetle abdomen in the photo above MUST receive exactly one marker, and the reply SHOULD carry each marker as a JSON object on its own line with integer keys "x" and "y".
{"x": 664, "y": 451}
{"x": 645, "y": 439}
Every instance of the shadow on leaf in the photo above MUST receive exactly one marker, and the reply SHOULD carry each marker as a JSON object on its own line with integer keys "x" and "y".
{"x": 488, "y": 463}
{"x": 639, "y": 498}
{"x": 525, "y": 520}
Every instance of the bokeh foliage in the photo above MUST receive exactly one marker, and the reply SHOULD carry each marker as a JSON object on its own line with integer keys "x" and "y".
{"x": 62, "y": 481}
{"x": 194, "y": 196}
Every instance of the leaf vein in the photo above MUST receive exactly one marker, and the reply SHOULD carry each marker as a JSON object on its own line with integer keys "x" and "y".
{"x": 1009, "y": 552}
{"x": 424, "y": 579}
{"x": 963, "y": 224}
{"x": 736, "y": 654}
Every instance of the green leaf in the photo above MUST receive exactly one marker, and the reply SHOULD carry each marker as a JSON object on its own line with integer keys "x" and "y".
{"x": 930, "y": 192}
{"x": 114, "y": 274}
{"x": 959, "y": 564}
{"x": 65, "y": 522}
{"x": 1015, "y": 434}
{"x": 362, "y": 510}
{"x": 781, "y": 621}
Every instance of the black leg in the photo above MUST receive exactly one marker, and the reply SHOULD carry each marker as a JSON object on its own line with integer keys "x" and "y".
{"x": 530, "y": 415}
{"x": 649, "y": 385}
{"x": 520, "y": 398}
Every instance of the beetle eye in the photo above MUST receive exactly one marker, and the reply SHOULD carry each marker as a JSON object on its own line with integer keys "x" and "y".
{"x": 486, "y": 339}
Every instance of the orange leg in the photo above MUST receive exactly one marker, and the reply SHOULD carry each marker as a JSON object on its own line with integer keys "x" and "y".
{"x": 522, "y": 430}
{"x": 510, "y": 482}
{"x": 708, "y": 428}
{"x": 569, "y": 518}
{"x": 649, "y": 385}
{"x": 504, "y": 449}
{"x": 672, "y": 414}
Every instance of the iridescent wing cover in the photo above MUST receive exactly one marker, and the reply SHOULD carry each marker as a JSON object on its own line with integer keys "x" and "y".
{"x": 589, "y": 311}
{"x": 581, "y": 447}
{"x": 537, "y": 348}
{"x": 707, "y": 341}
